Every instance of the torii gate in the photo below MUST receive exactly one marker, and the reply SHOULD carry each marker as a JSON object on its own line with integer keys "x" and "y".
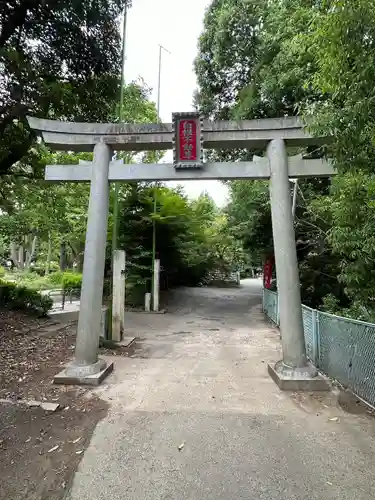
{"x": 188, "y": 135}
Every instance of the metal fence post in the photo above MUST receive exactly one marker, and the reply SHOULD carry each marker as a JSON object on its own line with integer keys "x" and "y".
{"x": 315, "y": 337}
{"x": 277, "y": 310}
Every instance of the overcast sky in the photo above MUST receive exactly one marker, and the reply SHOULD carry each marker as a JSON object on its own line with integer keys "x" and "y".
{"x": 175, "y": 24}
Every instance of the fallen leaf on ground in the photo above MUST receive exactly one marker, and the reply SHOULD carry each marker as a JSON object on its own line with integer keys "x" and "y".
{"x": 33, "y": 403}
{"x": 76, "y": 440}
{"x": 50, "y": 406}
{"x": 53, "y": 449}
{"x": 79, "y": 452}
{"x": 334, "y": 419}
{"x": 181, "y": 446}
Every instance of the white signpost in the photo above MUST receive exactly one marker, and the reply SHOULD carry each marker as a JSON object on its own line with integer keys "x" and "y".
{"x": 187, "y": 136}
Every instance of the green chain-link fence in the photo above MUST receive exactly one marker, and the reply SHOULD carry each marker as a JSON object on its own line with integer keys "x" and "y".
{"x": 270, "y": 305}
{"x": 342, "y": 348}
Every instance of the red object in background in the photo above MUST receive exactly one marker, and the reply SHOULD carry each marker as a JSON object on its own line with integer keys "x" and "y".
{"x": 267, "y": 273}
{"x": 187, "y": 134}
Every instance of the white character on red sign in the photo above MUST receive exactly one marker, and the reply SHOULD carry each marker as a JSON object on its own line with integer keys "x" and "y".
{"x": 188, "y": 131}
{"x": 188, "y": 151}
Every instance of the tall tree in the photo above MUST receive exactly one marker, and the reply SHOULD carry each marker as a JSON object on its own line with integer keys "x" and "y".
{"x": 56, "y": 213}
{"x": 59, "y": 59}
{"x": 269, "y": 72}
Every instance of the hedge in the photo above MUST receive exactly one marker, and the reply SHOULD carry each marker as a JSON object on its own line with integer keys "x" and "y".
{"x": 18, "y": 297}
{"x": 71, "y": 281}
{"x": 68, "y": 280}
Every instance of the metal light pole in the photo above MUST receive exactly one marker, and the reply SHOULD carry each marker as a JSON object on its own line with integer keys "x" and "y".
{"x": 117, "y": 185}
{"x": 295, "y": 181}
{"x": 161, "y": 48}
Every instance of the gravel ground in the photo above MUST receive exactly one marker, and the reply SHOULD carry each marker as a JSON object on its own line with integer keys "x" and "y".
{"x": 194, "y": 415}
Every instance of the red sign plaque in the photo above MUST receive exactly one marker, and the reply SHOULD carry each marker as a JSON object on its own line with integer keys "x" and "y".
{"x": 187, "y": 135}
{"x": 267, "y": 273}
{"x": 187, "y": 147}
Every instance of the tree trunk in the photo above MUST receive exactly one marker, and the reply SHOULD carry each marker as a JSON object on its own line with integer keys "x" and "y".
{"x": 14, "y": 254}
{"x": 31, "y": 252}
{"x": 78, "y": 252}
{"x": 80, "y": 262}
{"x": 21, "y": 258}
{"x": 49, "y": 254}
{"x": 63, "y": 256}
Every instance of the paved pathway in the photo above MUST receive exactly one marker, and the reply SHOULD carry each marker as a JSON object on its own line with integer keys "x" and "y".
{"x": 198, "y": 377}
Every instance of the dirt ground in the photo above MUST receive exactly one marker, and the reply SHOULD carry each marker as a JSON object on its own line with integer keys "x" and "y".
{"x": 40, "y": 450}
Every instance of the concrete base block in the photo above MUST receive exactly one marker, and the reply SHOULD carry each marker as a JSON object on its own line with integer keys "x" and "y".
{"x": 78, "y": 375}
{"x": 71, "y": 313}
{"x": 298, "y": 379}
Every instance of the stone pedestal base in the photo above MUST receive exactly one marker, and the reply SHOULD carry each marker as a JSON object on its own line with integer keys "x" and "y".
{"x": 75, "y": 374}
{"x": 298, "y": 379}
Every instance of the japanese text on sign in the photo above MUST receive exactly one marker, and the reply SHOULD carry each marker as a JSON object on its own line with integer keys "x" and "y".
{"x": 187, "y": 133}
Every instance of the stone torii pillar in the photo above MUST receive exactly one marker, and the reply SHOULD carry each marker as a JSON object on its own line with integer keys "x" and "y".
{"x": 86, "y": 368}
{"x": 294, "y": 371}
{"x": 118, "y": 277}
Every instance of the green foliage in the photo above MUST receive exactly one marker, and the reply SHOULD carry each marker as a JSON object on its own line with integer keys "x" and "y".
{"x": 58, "y": 60}
{"x": 248, "y": 65}
{"x": 17, "y": 297}
{"x": 192, "y": 238}
{"x": 330, "y": 304}
{"x": 71, "y": 281}
{"x": 249, "y": 213}
{"x": 350, "y": 212}
{"x": 272, "y": 59}
{"x": 56, "y": 214}
{"x": 341, "y": 43}
{"x": 56, "y": 278}
{"x": 67, "y": 280}
{"x": 46, "y": 210}
{"x": 2, "y": 272}
{"x": 31, "y": 280}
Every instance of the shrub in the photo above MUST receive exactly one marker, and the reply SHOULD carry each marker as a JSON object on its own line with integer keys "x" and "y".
{"x": 22, "y": 275}
{"x": 31, "y": 280}
{"x": 135, "y": 294}
{"x": 2, "y": 272}
{"x": 41, "y": 265}
{"x": 18, "y": 297}
{"x": 40, "y": 271}
{"x": 71, "y": 281}
{"x": 56, "y": 278}
{"x": 67, "y": 280}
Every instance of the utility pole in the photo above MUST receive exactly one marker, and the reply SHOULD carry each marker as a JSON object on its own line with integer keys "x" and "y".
{"x": 122, "y": 83}
{"x": 294, "y": 205}
{"x": 161, "y": 48}
{"x": 116, "y": 318}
